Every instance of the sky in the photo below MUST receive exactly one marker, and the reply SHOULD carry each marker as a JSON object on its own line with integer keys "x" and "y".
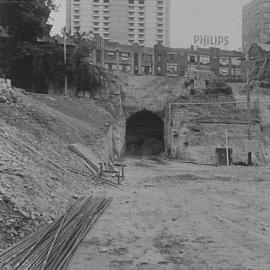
{"x": 192, "y": 17}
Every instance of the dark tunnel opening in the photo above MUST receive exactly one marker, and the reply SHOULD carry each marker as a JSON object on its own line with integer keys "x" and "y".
{"x": 144, "y": 134}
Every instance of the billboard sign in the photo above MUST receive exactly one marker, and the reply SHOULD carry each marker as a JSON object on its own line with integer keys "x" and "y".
{"x": 211, "y": 41}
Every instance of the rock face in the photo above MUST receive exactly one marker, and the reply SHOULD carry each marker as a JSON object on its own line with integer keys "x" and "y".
{"x": 6, "y": 92}
{"x": 150, "y": 93}
{"x": 197, "y": 130}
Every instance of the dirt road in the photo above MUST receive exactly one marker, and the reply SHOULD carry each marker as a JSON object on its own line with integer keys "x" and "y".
{"x": 170, "y": 216}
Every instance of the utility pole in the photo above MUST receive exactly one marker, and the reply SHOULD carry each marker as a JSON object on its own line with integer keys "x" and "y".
{"x": 248, "y": 108}
{"x": 227, "y": 148}
{"x": 65, "y": 60}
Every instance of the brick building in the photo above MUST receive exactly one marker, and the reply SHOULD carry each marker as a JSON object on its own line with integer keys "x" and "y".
{"x": 260, "y": 63}
{"x": 161, "y": 61}
{"x": 134, "y": 59}
{"x": 178, "y": 62}
{"x": 255, "y": 23}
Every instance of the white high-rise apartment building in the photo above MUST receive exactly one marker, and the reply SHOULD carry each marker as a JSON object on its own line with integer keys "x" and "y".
{"x": 146, "y": 22}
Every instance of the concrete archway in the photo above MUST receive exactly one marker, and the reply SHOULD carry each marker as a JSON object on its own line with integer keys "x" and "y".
{"x": 144, "y": 134}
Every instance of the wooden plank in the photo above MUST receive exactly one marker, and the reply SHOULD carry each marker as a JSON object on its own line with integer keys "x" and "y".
{"x": 87, "y": 155}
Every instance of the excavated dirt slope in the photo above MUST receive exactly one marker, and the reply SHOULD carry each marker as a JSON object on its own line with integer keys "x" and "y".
{"x": 35, "y": 131}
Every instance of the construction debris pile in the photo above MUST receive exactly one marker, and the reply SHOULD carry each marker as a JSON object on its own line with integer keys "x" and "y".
{"x": 52, "y": 247}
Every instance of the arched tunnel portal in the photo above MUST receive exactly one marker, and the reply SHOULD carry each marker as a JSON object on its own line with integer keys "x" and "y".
{"x": 144, "y": 134}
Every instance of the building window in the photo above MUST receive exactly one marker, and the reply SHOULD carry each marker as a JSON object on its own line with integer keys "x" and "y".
{"x": 106, "y": 1}
{"x": 257, "y": 26}
{"x": 236, "y": 62}
{"x": 110, "y": 54}
{"x": 124, "y": 55}
{"x": 266, "y": 4}
{"x": 125, "y": 68}
{"x": 147, "y": 58}
{"x": 204, "y": 59}
{"x": 236, "y": 72}
{"x": 192, "y": 58}
{"x": 266, "y": 14}
{"x": 224, "y": 71}
{"x": 171, "y": 58}
{"x": 224, "y": 61}
{"x": 159, "y": 58}
{"x": 110, "y": 66}
{"x": 146, "y": 70}
{"x": 267, "y": 25}
{"x": 172, "y": 68}
{"x": 192, "y": 68}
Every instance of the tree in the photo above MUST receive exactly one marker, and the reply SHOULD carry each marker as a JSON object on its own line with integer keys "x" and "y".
{"x": 22, "y": 59}
{"x": 86, "y": 77}
{"x": 26, "y": 20}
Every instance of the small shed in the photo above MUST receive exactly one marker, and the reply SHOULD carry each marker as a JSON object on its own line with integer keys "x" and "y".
{"x": 221, "y": 154}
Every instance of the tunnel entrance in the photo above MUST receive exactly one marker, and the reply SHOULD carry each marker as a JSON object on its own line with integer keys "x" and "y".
{"x": 144, "y": 134}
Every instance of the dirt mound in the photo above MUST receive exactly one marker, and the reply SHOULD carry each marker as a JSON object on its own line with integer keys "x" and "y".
{"x": 36, "y": 183}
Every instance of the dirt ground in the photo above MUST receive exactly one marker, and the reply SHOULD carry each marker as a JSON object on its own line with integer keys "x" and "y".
{"x": 168, "y": 215}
